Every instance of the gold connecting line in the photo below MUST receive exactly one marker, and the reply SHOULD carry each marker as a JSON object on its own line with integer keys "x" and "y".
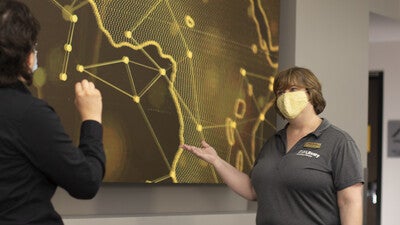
{"x": 147, "y": 54}
{"x": 97, "y": 65}
{"x": 106, "y": 82}
{"x": 176, "y": 22}
{"x": 215, "y": 126}
{"x": 256, "y": 126}
{"x": 153, "y": 134}
{"x": 193, "y": 85}
{"x": 161, "y": 150}
{"x": 67, "y": 49}
{"x": 150, "y": 84}
{"x": 243, "y": 147}
{"x": 268, "y": 46}
{"x": 60, "y": 6}
{"x": 261, "y": 118}
{"x": 229, "y": 151}
{"x": 250, "y": 74}
{"x": 82, "y": 4}
{"x": 269, "y": 80}
{"x": 189, "y": 55}
{"x": 184, "y": 105}
{"x": 158, "y": 180}
{"x": 130, "y": 77}
{"x": 194, "y": 88}
{"x": 237, "y": 136}
{"x": 145, "y": 16}
{"x": 144, "y": 66}
{"x": 68, "y": 46}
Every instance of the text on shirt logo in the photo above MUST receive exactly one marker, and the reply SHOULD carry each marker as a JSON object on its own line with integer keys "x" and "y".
{"x": 308, "y": 154}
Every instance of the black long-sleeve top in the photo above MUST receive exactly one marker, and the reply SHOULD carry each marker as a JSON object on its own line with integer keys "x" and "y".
{"x": 36, "y": 156}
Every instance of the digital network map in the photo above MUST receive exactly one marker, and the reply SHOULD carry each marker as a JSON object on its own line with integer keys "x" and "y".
{"x": 170, "y": 72}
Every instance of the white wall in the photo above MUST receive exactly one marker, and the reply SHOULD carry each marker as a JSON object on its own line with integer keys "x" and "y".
{"x": 384, "y": 56}
{"x": 209, "y": 219}
{"x": 329, "y": 37}
{"x": 388, "y": 8}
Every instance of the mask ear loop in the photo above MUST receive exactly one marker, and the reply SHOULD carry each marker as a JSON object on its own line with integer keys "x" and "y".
{"x": 35, "y": 52}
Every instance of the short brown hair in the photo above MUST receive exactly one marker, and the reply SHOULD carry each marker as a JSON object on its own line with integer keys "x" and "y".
{"x": 301, "y": 77}
{"x": 18, "y": 35}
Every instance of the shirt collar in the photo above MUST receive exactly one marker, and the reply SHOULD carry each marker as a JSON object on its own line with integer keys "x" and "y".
{"x": 323, "y": 126}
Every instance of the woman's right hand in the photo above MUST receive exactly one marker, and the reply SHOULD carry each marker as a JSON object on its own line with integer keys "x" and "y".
{"x": 205, "y": 152}
{"x": 88, "y": 101}
{"x": 235, "y": 179}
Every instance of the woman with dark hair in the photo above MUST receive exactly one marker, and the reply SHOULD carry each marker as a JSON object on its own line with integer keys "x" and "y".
{"x": 308, "y": 173}
{"x": 36, "y": 155}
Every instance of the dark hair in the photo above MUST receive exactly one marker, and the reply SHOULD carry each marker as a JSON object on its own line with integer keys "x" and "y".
{"x": 300, "y": 77}
{"x": 19, "y": 30}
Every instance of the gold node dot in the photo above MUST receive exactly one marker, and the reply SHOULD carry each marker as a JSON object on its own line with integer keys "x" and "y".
{"x": 233, "y": 124}
{"x": 128, "y": 34}
{"x": 243, "y": 72}
{"x": 80, "y": 68}
{"x": 254, "y": 48}
{"x": 74, "y": 18}
{"x": 261, "y": 117}
{"x": 189, "y": 54}
{"x": 125, "y": 59}
{"x": 163, "y": 72}
{"x": 250, "y": 90}
{"x": 63, "y": 76}
{"x": 136, "y": 99}
{"x": 68, "y": 47}
{"x": 271, "y": 87}
{"x": 189, "y": 21}
{"x": 271, "y": 79}
{"x": 199, "y": 128}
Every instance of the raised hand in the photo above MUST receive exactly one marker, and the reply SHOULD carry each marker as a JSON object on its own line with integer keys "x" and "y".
{"x": 88, "y": 101}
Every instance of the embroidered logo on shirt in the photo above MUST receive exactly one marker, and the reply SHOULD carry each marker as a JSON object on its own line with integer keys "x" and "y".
{"x": 308, "y": 154}
{"x": 314, "y": 145}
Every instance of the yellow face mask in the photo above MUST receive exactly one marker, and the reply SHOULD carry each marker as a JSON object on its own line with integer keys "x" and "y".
{"x": 291, "y": 104}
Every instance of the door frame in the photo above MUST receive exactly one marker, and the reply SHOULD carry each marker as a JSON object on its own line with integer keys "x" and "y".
{"x": 379, "y": 75}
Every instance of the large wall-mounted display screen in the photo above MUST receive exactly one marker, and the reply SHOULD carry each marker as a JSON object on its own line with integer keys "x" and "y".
{"x": 170, "y": 72}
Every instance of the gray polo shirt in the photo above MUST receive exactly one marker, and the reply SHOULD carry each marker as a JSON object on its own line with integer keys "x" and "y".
{"x": 300, "y": 187}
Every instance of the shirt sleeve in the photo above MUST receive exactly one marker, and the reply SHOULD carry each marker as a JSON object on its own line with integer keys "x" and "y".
{"x": 79, "y": 170}
{"x": 347, "y": 166}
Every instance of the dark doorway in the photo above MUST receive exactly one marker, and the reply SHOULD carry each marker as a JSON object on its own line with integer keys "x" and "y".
{"x": 375, "y": 106}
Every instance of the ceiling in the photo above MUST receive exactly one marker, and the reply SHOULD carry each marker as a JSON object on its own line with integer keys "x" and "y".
{"x": 382, "y": 29}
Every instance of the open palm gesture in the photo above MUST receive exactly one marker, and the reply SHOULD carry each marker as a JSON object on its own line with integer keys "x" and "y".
{"x": 205, "y": 152}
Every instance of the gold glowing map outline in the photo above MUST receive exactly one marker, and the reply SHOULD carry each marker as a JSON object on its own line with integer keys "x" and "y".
{"x": 230, "y": 124}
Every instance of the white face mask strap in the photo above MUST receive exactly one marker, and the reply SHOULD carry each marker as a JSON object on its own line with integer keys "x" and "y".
{"x": 35, "y": 62}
